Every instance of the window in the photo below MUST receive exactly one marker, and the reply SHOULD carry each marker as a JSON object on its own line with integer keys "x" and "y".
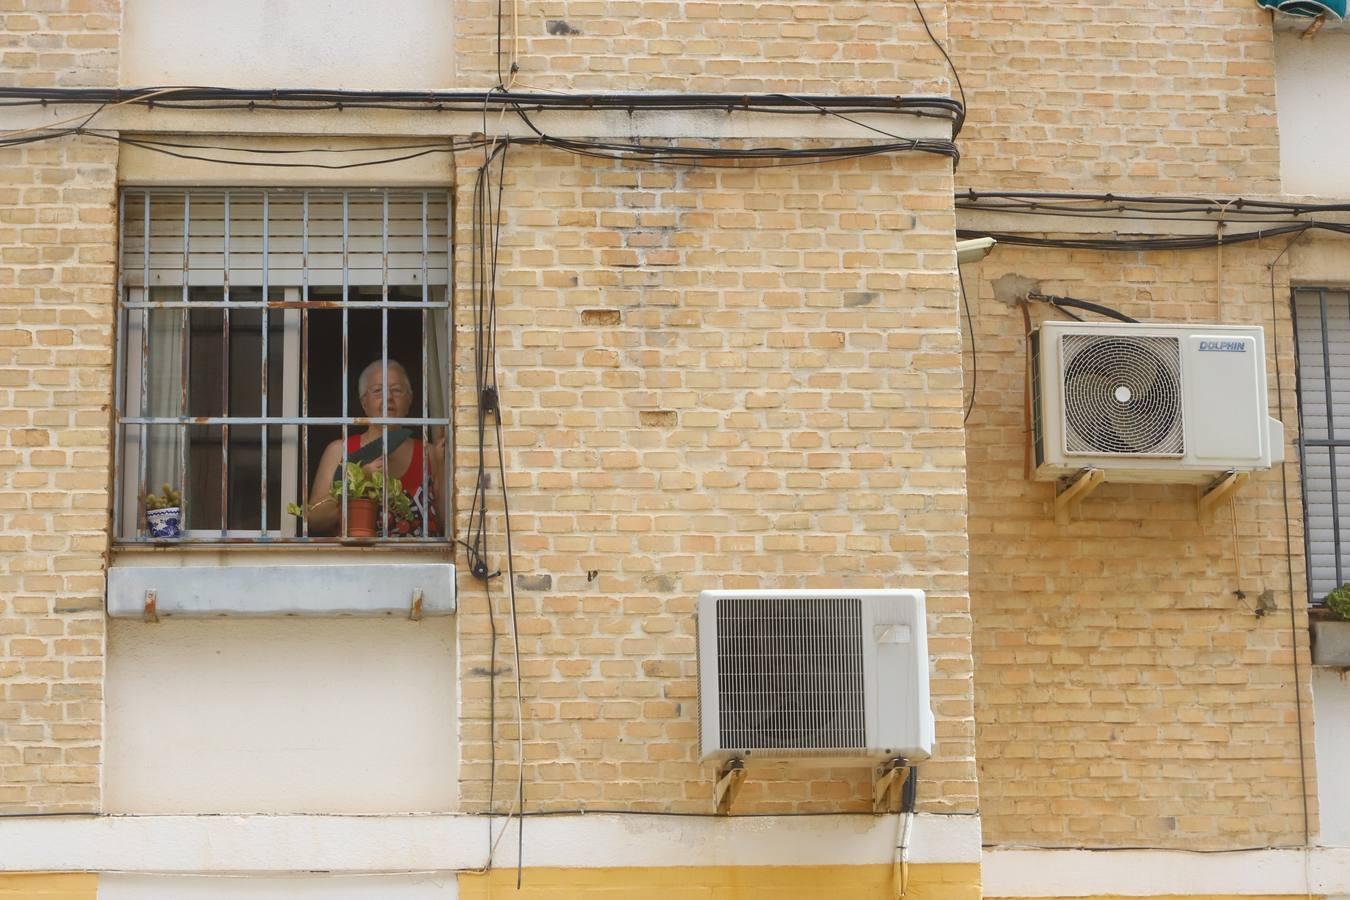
{"x": 258, "y": 331}
{"x": 1322, "y": 329}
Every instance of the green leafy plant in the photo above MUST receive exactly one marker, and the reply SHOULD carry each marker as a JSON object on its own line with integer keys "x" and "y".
{"x": 170, "y": 499}
{"x": 363, "y": 485}
{"x": 1338, "y": 601}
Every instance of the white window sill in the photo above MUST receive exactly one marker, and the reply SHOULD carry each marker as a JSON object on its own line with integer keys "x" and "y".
{"x": 185, "y": 586}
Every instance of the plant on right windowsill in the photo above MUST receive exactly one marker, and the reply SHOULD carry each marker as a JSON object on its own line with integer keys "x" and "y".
{"x": 1331, "y": 636}
{"x": 365, "y": 491}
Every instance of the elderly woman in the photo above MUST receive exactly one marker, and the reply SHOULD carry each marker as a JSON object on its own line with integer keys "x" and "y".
{"x": 414, "y": 462}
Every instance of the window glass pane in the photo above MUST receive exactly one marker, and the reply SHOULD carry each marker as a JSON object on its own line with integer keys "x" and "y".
{"x": 1320, "y": 523}
{"x": 1312, "y": 370}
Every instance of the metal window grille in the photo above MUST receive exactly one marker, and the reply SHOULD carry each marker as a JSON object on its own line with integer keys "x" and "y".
{"x": 1322, "y": 331}
{"x": 243, "y": 318}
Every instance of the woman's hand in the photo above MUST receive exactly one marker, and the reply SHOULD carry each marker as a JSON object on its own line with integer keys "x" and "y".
{"x": 438, "y": 449}
{"x": 441, "y": 493}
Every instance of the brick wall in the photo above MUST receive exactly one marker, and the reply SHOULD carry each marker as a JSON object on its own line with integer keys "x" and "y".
{"x": 848, "y": 47}
{"x": 1124, "y": 694}
{"x": 57, "y": 234}
{"x": 711, "y": 378}
{"x": 65, "y": 43}
{"x": 1130, "y": 97}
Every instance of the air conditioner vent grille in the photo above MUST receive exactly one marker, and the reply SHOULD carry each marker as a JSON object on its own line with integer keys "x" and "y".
{"x": 790, "y": 673}
{"x": 1122, "y": 395}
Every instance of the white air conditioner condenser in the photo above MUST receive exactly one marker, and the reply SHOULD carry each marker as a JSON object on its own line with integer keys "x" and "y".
{"x": 1145, "y": 402}
{"x": 825, "y": 675}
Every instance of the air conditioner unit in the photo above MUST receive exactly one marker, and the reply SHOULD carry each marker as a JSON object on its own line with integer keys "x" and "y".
{"x": 1143, "y": 402}
{"x": 826, "y": 675}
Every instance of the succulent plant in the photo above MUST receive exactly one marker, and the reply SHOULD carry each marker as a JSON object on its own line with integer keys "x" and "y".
{"x": 170, "y": 499}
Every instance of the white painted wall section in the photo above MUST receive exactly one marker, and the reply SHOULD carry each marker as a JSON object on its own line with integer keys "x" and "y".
{"x": 280, "y": 845}
{"x": 358, "y": 887}
{"x": 1331, "y": 713}
{"x": 348, "y": 44}
{"x": 281, "y": 716}
{"x": 1314, "y": 112}
{"x": 1158, "y": 873}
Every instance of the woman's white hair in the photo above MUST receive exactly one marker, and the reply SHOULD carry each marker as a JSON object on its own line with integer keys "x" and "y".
{"x": 364, "y": 378}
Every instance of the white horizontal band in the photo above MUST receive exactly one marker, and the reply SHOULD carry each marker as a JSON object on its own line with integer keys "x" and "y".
{"x": 1154, "y": 873}
{"x": 225, "y": 844}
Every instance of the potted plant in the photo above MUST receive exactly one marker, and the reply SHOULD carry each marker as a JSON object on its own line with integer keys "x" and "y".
{"x": 365, "y": 491}
{"x": 1331, "y": 630}
{"x": 164, "y": 514}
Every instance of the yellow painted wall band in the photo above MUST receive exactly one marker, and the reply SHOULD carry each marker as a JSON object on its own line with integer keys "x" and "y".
{"x": 877, "y": 882}
{"x": 45, "y": 886}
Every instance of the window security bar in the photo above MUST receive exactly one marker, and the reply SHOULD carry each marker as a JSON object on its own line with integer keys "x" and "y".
{"x": 1322, "y": 331}
{"x": 240, "y": 312}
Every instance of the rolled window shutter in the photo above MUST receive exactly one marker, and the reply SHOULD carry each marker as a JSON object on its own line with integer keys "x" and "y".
{"x": 286, "y": 238}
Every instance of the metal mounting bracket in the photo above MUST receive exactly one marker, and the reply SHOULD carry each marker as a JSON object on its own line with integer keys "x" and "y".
{"x": 415, "y": 610}
{"x": 1075, "y": 491}
{"x": 888, "y": 780}
{"x": 150, "y": 613}
{"x": 1219, "y": 490}
{"x": 729, "y": 778}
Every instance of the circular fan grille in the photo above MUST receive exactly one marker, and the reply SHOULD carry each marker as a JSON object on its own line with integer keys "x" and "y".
{"x": 1122, "y": 395}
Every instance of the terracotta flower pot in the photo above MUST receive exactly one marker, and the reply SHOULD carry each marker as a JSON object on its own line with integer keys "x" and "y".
{"x": 361, "y": 516}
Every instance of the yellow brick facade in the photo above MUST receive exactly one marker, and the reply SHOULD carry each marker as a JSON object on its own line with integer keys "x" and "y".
{"x": 744, "y": 377}
{"x": 714, "y": 378}
{"x": 1131, "y": 97}
{"x": 57, "y": 233}
{"x": 848, "y": 47}
{"x": 1125, "y": 693}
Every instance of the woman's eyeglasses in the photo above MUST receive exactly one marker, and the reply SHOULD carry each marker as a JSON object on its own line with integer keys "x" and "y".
{"x": 396, "y": 392}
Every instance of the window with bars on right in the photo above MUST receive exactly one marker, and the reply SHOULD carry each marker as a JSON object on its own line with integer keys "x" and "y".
{"x": 1322, "y": 329}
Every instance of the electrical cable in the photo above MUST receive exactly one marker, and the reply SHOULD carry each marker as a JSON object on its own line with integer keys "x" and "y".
{"x": 974, "y": 356}
{"x": 972, "y": 198}
{"x": 687, "y": 156}
{"x": 136, "y": 142}
{"x": 1196, "y": 242}
{"x": 485, "y": 259}
{"x": 483, "y": 267}
{"x": 956, "y": 128}
{"x": 197, "y": 97}
{"x": 506, "y": 521}
{"x": 691, "y": 155}
{"x": 849, "y": 119}
{"x": 698, "y": 156}
{"x": 1086, "y": 305}
{"x": 438, "y": 145}
{"x": 1289, "y": 553}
